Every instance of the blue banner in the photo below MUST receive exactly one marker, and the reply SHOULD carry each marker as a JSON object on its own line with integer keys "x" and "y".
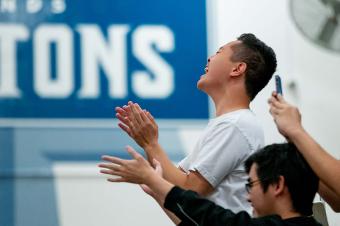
{"x": 80, "y": 59}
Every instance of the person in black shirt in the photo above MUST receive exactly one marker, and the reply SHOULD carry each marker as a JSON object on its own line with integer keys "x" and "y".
{"x": 288, "y": 121}
{"x": 281, "y": 188}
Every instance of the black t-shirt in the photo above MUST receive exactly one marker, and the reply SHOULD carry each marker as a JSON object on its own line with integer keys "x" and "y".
{"x": 195, "y": 210}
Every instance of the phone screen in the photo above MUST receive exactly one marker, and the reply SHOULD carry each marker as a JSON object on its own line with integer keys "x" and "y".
{"x": 278, "y": 84}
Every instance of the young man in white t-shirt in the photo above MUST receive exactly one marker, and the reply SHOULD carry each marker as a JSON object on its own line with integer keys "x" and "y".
{"x": 233, "y": 77}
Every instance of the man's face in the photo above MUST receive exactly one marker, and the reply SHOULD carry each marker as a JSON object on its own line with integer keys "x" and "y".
{"x": 217, "y": 69}
{"x": 260, "y": 201}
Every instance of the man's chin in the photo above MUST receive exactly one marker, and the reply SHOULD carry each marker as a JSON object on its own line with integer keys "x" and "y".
{"x": 200, "y": 85}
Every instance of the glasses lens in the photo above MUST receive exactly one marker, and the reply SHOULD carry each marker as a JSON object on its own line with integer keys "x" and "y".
{"x": 248, "y": 187}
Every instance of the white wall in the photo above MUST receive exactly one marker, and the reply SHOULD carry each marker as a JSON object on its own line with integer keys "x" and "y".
{"x": 313, "y": 69}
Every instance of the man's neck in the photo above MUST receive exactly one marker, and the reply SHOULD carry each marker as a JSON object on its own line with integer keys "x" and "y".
{"x": 285, "y": 209}
{"x": 229, "y": 102}
{"x": 290, "y": 214}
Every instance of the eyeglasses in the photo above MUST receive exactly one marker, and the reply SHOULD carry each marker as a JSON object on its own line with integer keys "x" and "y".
{"x": 250, "y": 184}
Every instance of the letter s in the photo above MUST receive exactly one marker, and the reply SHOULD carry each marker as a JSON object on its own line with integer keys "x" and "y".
{"x": 160, "y": 83}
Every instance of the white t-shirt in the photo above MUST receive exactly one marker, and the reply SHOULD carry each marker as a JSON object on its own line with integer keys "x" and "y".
{"x": 219, "y": 154}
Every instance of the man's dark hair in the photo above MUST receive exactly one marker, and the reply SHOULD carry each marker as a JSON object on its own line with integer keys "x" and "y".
{"x": 285, "y": 160}
{"x": 260, "y": 60}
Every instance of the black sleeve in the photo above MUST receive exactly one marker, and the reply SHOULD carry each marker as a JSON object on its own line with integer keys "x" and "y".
{"x": 194, "y": 210}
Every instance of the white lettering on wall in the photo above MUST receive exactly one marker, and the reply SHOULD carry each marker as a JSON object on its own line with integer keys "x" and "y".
{"x": 9, "y": 36}
{"x": 8, "y": 6}
{"x": 159, "y": 83}
{"x": 46, "y": 86}
{"x": 58, "y": 6}
{"x": 34, "y": 6}
{"x": 110, "y": 55}
{"x": 102, "y": 57}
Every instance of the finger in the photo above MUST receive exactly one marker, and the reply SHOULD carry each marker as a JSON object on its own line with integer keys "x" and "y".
{"x": 133, "y": 122}
{"x": 122, "y": 118}
{"x": 146, "y": 189}
{"x": 271, "y": 100}
{"x": 281, "y": 99}
{"x": 110, "y": 166}
{"x": 155, "y": 163}
{"x": 120, "y": 179}
{"x": 113, "y": 159}
{"x": 278, "y": 97}
{"x": 157, "y": 166}
{"x": 275, "y": 103}
{"x": 142, "y": 113}
{"x": 139, "y": 109}
{"x": 121, "y": 111}
{"x": 133, "y": 153}
{"x": 139, "y": 112}
{"x": 125, "y": 128}
{"x": 148, "y": 114}
{"x": 135, "y": 112}
{"x": 274, "y": 111}
{"x": 130, "y": 124}
{"x": 106, "y": 171}
{"x": 110, "y": 172}
{"x": 128, "y": 111}
{"x": 145, "y": 113}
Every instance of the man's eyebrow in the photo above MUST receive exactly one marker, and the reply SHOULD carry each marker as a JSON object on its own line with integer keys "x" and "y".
{"x": 220, "y": 49}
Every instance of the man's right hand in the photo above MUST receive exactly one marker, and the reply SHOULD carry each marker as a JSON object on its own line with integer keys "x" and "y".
{"x": 286, "y": 117}
{"x": 138, "y": 124}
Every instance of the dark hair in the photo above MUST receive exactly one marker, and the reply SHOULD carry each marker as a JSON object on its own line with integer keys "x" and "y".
{"x": 285, "y": 160}
{"x": 260, "y": 60}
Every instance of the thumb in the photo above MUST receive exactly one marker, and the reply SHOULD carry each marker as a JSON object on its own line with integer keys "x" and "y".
{"x": 146, "y": 189}
{"x": 156, "y": 164}
{"x": 158, "y": 167}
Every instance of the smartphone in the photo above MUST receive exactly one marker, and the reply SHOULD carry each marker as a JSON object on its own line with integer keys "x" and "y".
{"x": 278, "y": 85}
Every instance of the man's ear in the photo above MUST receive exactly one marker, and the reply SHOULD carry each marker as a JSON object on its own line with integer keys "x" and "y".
{"x": 279, "y": 186}
{"x": 239, "y": 69}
